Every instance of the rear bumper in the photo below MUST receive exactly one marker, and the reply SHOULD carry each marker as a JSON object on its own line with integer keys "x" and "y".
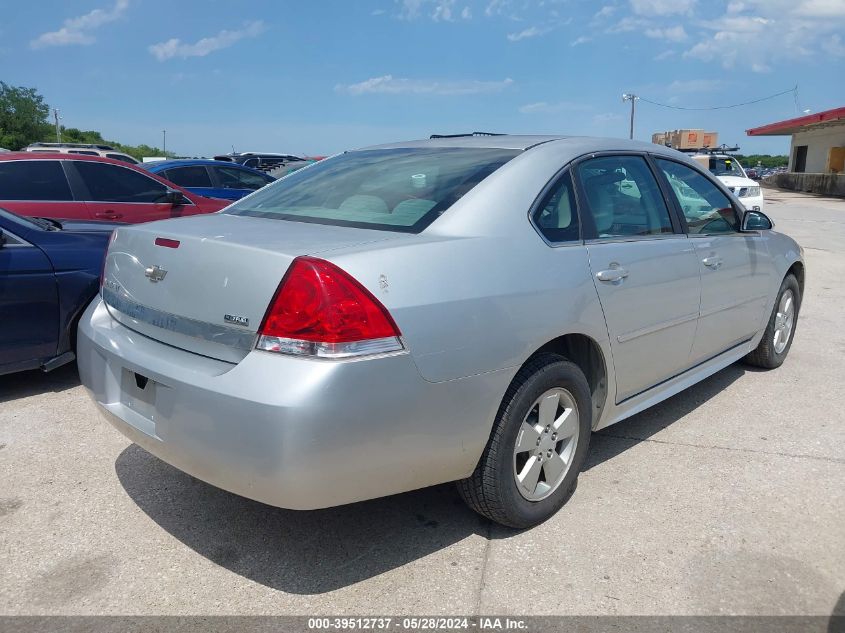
{"x": 290, "y": 432}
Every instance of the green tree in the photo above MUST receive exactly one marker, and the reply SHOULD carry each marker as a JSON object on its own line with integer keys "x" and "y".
{"x": 74, "y": 135}
{"x": 23, "y": 116}
{"x": 766, "y": 160}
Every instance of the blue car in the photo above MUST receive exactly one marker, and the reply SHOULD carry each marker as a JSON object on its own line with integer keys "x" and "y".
{"x": 49, "y": 272}
{"x": 211, "y": 178}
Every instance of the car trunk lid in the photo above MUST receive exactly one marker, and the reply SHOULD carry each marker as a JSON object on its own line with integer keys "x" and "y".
{"x": 204, "y": 283}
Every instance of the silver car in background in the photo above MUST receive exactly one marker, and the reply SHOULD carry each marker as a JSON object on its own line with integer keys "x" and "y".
{"x": 461, "y": 309}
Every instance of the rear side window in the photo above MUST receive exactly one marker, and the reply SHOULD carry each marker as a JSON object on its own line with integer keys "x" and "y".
{"x": 623, "y": 197}
{"x": 233, "y": 178}
{"x": 111, "y": 183}
{"x": 195, "y": 176}
{"x": 124, "y": 157}
{"x": 33, "y": 180}
{"x": 402, "y": 189}
{"x": 557, "y": 216}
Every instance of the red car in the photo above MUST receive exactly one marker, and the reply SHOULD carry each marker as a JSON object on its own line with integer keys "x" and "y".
{"x": 75, "y": 186}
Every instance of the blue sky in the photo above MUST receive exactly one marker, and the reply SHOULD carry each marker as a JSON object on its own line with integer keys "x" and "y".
{"x": 321, "y": 76}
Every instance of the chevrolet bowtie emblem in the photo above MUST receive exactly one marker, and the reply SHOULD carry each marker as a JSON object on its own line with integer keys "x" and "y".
{"x": 155, "y": 273}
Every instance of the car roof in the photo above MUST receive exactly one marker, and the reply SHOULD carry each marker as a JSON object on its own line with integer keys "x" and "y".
{"x": 576, "y": 144}
{"x": 61, "y": 156}
{"x": 188, "y": 162}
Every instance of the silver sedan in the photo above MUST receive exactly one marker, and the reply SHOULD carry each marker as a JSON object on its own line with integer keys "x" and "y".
{"x": 461, "y": 309}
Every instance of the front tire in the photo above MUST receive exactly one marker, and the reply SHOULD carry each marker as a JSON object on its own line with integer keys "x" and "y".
{"x": 780, "y": 330}
{"x": 540, "y": 439}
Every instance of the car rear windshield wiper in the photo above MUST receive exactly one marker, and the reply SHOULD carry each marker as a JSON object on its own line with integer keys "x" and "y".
{"x": 48, "y": 223}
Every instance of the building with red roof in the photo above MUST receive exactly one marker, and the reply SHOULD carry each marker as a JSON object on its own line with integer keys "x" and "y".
{"x": 816, "y": 153}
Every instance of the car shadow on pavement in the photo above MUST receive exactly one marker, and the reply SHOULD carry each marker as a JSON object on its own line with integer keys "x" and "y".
{"x": 31, "y": 383}
{"x": 611, "y": 441}
{"x": 318, "y": 551}
{"x": 300, "y": 552}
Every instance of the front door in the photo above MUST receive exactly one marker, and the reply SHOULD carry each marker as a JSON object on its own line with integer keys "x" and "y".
{"x": 734, "y": 266}
{"x": 645, "y": 271}
{"x": 122, "y": 194}
{"x": 28, "y": 304}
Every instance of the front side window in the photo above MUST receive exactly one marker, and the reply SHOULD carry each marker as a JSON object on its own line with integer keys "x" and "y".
{"x": 403, "y": 189}
{"x": 623, "y": 197}
{"x": 33, "y": 180}
{"x": 111, "y": 183}
{"x": 194, "y": 176}
{"x": 557, "y": 217}
{"x": 706, "y": 209}
{"x": 233, "y": 178}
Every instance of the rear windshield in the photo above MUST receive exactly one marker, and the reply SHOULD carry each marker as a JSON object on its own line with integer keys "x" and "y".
{"x": 725, "y": 167}
{"x": 388, "y": 189}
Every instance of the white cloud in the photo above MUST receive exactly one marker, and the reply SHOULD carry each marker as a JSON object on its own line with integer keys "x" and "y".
{"x": 437, "y": 10}
{"x": 78, "y": 30}
{"x": 696, "y": 85}
{"x": 410, "y": 9}
{"x": 664, "y": 55}
{"x": 673, "y": 34}
{"x": 543, "y": 107}
{"x": 524, "y": 34}
{"x": 755, "y": 34}
{"x": 605, "y": 12}
{"x": 834, "y": 46}
{"x": 175, "y": 47}
{"x": 662, "y": 7}
{"x": 388, "y": 84}
{"x": 627, "y": 24}
{"x": 580, "y": 40}
{"x": 443, "y": 11}
{"x": 820, "y": 8}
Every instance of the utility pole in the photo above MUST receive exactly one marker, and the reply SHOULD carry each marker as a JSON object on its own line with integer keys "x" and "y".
{"x": 58, "y": 130}
{"x": 633, "y": 99}
{"x": 164, "y": 142}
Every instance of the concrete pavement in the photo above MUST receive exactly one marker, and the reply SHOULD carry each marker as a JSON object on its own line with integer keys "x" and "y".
{"x": 729, "y": 498}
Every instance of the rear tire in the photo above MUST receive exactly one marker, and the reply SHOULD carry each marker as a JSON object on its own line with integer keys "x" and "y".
{"x": 780, "y": 330}
{"x": 540, "y": 439}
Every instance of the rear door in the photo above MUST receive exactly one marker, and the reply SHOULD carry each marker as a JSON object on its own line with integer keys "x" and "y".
{"x": 38, "y": 187}
{"x": 735, "y": 267}
{"x": 195, "y": 178}
{"x": 236, "y": 183}
{"x": 121, "y": 193}
{"x": 644, "y": 269}
{"x": 29, "y": 311}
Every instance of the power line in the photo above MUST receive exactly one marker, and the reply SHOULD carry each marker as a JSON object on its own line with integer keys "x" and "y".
{"x": 794, "y": 91}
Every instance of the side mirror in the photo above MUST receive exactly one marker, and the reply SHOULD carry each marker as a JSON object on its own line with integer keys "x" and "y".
{"x": 756, "y": 221}
{"x": 175, "y": 197}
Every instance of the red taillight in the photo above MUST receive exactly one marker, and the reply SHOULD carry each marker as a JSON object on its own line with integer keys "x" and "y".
{"x": 320, "y": 310}
{"x": 167, "y": 243}
{"x": 105, "y": 255}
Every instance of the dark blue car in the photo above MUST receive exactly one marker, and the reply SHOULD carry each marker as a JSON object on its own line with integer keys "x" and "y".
{"x": 211, "y": 178}
{"x": 49, "y": 272}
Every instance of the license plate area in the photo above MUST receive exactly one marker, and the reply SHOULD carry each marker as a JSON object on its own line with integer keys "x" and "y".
{"x": 138, "y": 393}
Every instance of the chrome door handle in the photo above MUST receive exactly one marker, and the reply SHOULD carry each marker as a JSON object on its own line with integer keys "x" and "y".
{"x": 615, "y": 273}
{"x": 712, "y": 262}
{"x": 108, "y": 215}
